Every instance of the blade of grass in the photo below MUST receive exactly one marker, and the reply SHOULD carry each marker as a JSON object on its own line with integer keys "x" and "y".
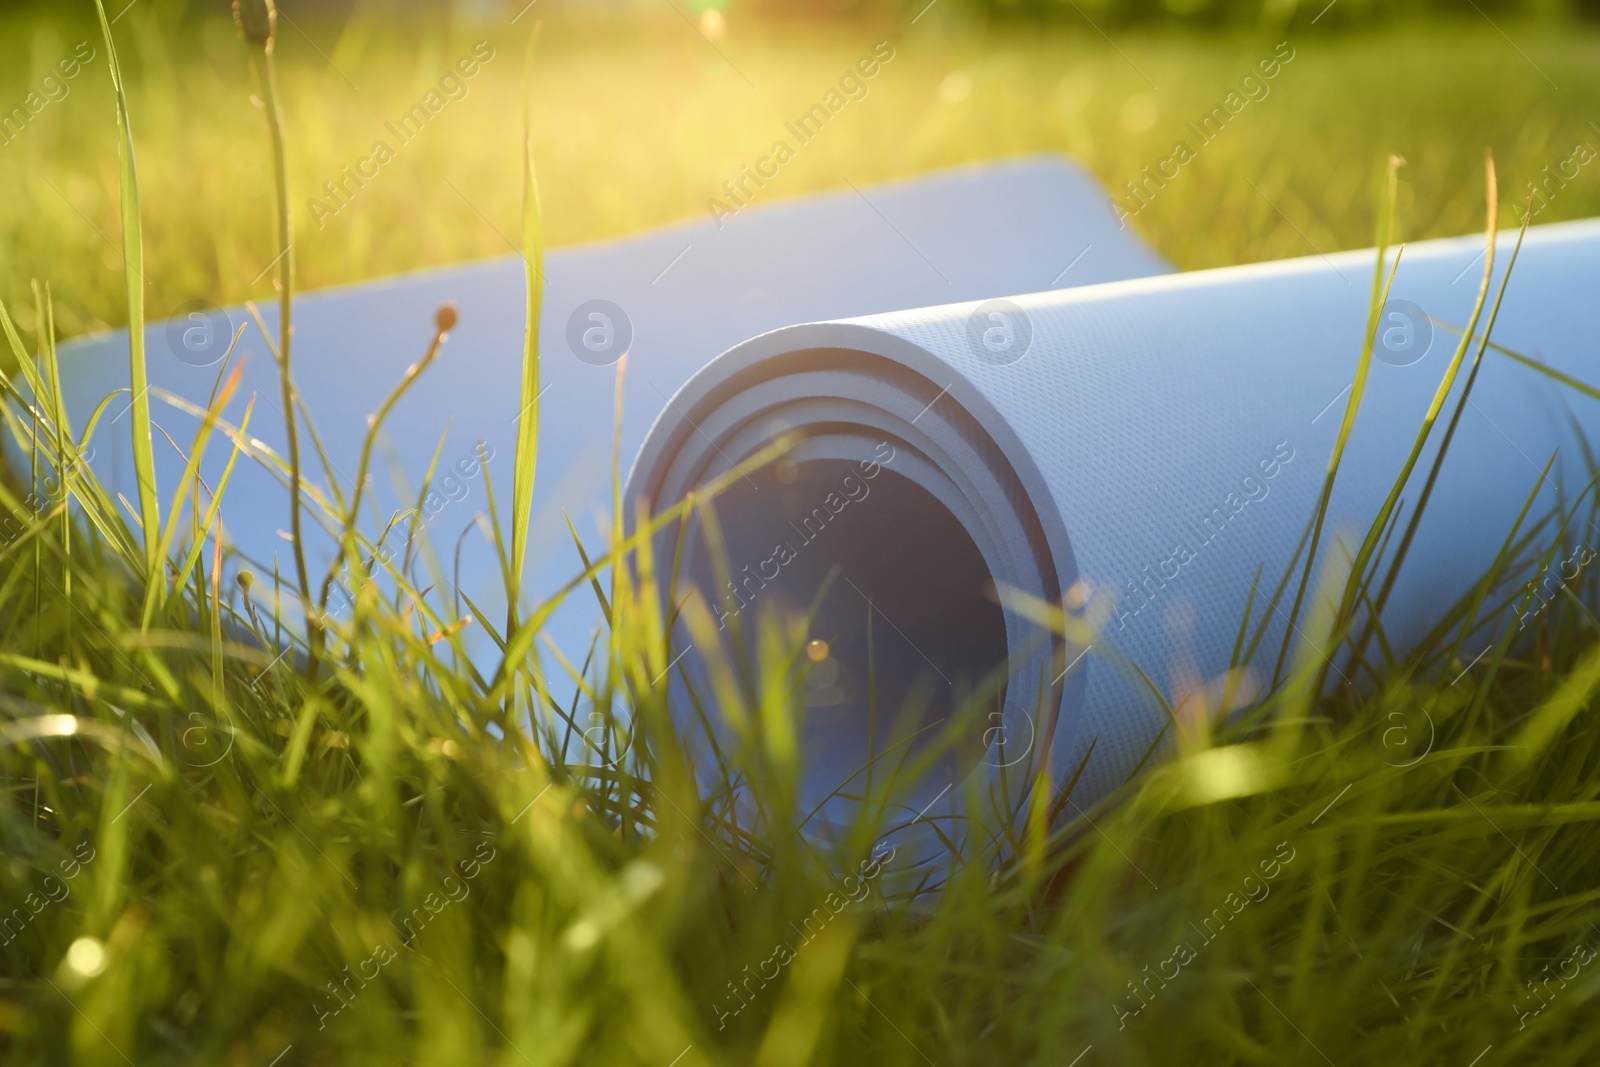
{"x": 157, "y": 595}
{"x": 144, "y": 463}
{"x": 193, "y": 555}
{"x": 528, "y": 407}
{"x": 1380, "y": 289}
{"x": 1398, "y": 561}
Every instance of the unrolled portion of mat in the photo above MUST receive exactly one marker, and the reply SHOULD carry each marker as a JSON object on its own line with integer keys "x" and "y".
{"x": 670, "y": 300}
{"x": 1156, "y": 443}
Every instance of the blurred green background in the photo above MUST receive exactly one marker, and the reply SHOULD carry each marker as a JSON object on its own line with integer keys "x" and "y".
{"x": 641, "y": 110}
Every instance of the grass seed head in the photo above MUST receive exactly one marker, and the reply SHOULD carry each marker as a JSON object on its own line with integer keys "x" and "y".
{"x": 256, "y": 20}
{"x": 445, "y": 319}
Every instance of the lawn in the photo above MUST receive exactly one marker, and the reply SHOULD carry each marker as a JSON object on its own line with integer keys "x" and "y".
{"x": 639, "y": 122}
{"x": 217, "y": 852}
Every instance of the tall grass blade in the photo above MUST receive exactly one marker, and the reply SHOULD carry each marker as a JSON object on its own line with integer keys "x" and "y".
{"x": 528, "y": 406}
{"x": 144, "y": 462}
{"x": 1380, "y": 289}
{"x": 1439, "y": 397}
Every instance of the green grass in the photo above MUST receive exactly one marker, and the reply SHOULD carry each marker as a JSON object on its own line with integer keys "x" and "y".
{"x": 216, "y": 854}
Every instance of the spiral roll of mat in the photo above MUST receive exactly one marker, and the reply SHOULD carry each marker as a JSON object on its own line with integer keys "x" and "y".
{"x": 1155, "y": 446}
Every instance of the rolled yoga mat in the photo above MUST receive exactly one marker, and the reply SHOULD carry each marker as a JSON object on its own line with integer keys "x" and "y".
{"x": 1151, "y": 441}
{"x": 1159, "y": 436}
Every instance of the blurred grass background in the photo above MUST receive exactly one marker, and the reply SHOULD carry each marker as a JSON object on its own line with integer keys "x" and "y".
{"x": 643, "y": 110}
